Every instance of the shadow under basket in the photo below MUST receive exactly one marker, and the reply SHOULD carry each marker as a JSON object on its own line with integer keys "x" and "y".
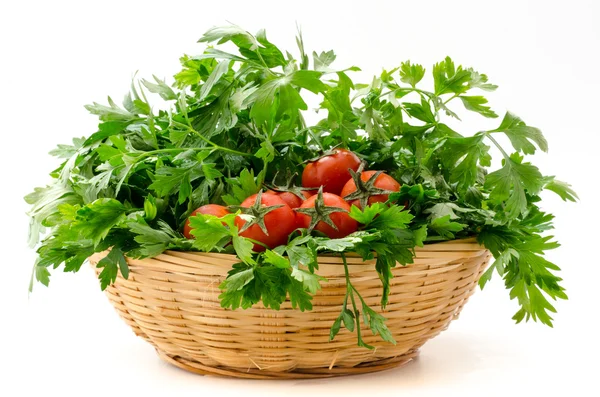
{"x": 172, "y": 302}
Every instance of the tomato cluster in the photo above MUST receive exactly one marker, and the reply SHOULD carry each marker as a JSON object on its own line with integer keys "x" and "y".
{"x": 333, "y": 179}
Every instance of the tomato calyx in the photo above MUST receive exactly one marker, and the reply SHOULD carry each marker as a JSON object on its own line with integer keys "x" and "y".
{"x": 295, "y": 190}
{"x": 289, "y": 187}
{"x": 365, "y": 189}
{"x": 256, "y": 213}
{"x": 320, "y": 212}
{"x": 323, "y": 153}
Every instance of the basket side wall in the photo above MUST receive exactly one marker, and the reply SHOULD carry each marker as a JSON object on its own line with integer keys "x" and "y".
{"x": 172, "y": 302}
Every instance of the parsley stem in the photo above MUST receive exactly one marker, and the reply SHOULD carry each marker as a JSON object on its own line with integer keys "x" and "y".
{"x": 318, "y": 141}
{"x": 168, "y": 150}
{"x": 214, "y": 145}
{"x": 350, "y": 291}
{"x": 218, "y": 147}
{"x": 262, "y": 60}
{"x": 451, "y": 98}
{"x": 301, "y": 120}
{"x": 157, "y": 151}
{"x": 409, "y": 89}
{"x": 506, "y": 156}
{"x": 339, "y": 114}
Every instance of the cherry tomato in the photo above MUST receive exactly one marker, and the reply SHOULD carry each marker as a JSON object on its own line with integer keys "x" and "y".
{"x": 292, "y": 200}
{"x": 341, "y": 220}
{"x": 383, "y": 181}
{"x": 331, "y": 171}
{"x": 209, "y": 209}
{"x": 280, "y": 222}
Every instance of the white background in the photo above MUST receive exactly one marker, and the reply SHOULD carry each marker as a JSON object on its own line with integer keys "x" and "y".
{"x": 57, "y": 56}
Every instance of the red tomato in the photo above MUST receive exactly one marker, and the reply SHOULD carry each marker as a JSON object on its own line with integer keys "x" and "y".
{"x": 292, "y": 200}
{"x": 209, "y": 209}
{"x": 331, "y": 171}
{"x": 341, "y": 220}
{"x": 383, "y": 181}
{"x": 280, "y": 222}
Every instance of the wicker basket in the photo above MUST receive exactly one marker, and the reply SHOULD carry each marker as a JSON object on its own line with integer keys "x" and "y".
{"x": 172, "y": 302}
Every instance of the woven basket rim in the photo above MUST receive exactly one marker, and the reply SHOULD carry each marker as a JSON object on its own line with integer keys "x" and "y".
{"x": 468, "y": 244}
{"x": 463, "y": 244}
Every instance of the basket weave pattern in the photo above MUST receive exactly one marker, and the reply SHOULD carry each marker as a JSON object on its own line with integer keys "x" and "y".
{"x": 172, "y": 302}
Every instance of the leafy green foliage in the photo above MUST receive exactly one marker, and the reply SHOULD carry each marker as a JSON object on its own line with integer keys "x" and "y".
{"x": 242, "y": 187}
{"x": 234, "y": 124}
{"x": 152, "y": 241}
{"x": 411, "y": 74}
{"x": 521, "y": 135}
{"x": 445, "y": 227}
{"x": 464, "y": 158}
{"x": 94, "y": 221}
{"x": 510, "y": 183}
{"x": 110, "y": 265}
{"x": 477, "y": 104}
{"x": 351, "y": 319}
{"x": 528, "y": 275}
{"x": 563, "y": 189}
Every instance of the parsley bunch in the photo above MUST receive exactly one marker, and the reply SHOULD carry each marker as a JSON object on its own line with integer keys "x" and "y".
{"x": 234, "y": 125}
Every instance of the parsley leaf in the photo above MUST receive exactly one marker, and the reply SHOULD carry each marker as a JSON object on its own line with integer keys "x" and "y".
{"x": 276, "y": 259}
{"x": 242, "y": 187}
{"x": 521, "y": 135}
{"x": 464, "y": 157}
{"x": 95, "y": 220}
{"x": 477, "y": 104}
{"x": 445, "y": 227}
{"x": 393, "y": 217}
{"x": 450, "y": 79}
{"x": 367, "y": 215}
{"x": 563, "y": 189}
{"x": 209, "y": 232}
{"x": 310, "y": 281}
{"x": 411, "y": 74}
{"x": 152, "y": 241}
{"x": 512, "y": 181}
{"x": 110, "y": 265}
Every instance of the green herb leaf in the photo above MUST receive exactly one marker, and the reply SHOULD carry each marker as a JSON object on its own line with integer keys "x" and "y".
{"x": 477, "y": 104}
{"x": 276, "y": 260}
{"x": 367, "y": 215}
{"x": 464, "y": 157}
{"x": 521, "y": 135}
{"x": 110, "y": 265}
{"x": 445, "y": 227}
{"x": 310, "y": 281}
{"x": 210, "y": 232}
{"x": 237, "y": 281}
{"x": 95, "y": 220}
{"x": 160, "y": 88}
{"x": 152, "y": 241}
{"x": 394, "y": 217}
{"x": 242, "y": 187}
{"x": 563, "y": 189}
{"x": 411, "y": 74}
{"x": 323, "y": 60}
{"x": 512, "y": 181}
{"x": 449, "y": 79}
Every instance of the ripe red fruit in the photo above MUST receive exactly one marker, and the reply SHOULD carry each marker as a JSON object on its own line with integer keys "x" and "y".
{"x": 209, "y": 209}
{"x": 273, "y": 220}
{"x": 330, "y": 171}
{"x": 382, "y": 182}
{"x": 292, "y": 200}
{"x": 343, "y": 222}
